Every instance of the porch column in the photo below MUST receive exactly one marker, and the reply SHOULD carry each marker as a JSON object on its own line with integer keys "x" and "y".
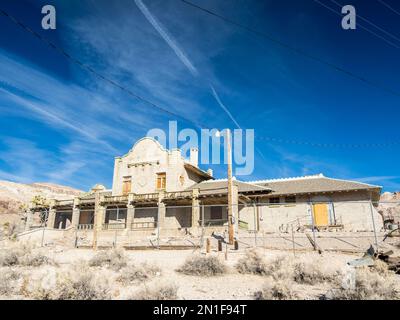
{"x": 161, "y": 211}
{"x": 75, "y": 213}
{"x": 235, "y": 208}
{"x": 52, "y": 215}
{"x": 130, "y": 213}
{"x": 98, "y": 217}
{"x": 195, "y": 208}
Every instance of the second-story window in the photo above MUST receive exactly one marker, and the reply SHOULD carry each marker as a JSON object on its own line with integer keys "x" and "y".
{"x": 126, "y": 185}
{"x": 161, "y": 181}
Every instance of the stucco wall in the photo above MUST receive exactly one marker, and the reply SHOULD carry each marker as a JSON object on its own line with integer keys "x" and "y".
{"x": 351, "y": 209}
{"x": 144, "y": 161}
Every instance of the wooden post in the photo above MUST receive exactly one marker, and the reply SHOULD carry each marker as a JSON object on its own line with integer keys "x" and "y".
{"x": 208, "y": 245}
{"x": 219, "y": 245}
{"x": 294, "y": 250}
{"x": 230, "y": 208}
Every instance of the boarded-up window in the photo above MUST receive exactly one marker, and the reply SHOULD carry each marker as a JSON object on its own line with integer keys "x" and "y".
{"x": 161, "y": 181}
{"x": 126, "y": 186}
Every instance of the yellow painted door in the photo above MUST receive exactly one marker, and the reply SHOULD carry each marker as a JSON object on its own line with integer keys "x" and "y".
{"x": 320, "y": 214}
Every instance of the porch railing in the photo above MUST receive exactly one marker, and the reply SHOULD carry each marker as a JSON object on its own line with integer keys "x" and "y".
{"x": 85, "y": 226}
{"x": 145, "y": 197}
{"x": 144, "y": 225}
{"x": 114, "y": 226}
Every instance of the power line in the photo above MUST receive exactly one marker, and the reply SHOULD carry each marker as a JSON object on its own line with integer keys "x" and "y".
{"x": 198, "y": 125}
{"x": 389, "y": 7}
{"x": 360, "y": 25}
{"x": 371, "y": 23}
{"x": 295, "y": 49}
{"x": 92, "y": 71}
{"x": 329, "y": 145}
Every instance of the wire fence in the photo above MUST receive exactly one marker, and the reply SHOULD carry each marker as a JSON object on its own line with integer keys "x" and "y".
{"x": 293, "y": 225}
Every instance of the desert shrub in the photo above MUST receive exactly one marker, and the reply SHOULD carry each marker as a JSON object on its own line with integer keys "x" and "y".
{"x": 368, "y": 285}
{"x": 252, "y": 263}
{"x": 280, "y": 267}
{"x": 79, "y": 283}
{"x": 203, "y": 266}
{"x": 7, "y": 280}
{"x": 22, "y": 254}
{"x": 161, "y": 292}
{"x": 113, "y": 259}
{"x": 34, "y": 259}
{"x": 275, "y": 290}
{"x": 133, "y": 274}
{"x": 8, "y": 258}
{"x": 312, "y": 272}
{"x": 82, "y": 286}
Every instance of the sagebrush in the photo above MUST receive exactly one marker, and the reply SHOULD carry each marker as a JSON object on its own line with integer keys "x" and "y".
{"x": 160, "y": 292}
{"x": 114, "y": 259}
{"x": 366, "y": 284}
{"x": 276, "y": 290}
{"x": 138, "y": 273}
{"x": 203, "y": 266}
{"x": 252, "y": 263}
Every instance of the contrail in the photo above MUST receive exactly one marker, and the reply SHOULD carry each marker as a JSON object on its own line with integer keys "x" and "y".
{"x": 183, "y": 57}
{"x": 215, "y": 94}
{"x": 168, "y": 39}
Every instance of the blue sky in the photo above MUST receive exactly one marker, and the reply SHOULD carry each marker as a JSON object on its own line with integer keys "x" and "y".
{"x": 61, "y": 124}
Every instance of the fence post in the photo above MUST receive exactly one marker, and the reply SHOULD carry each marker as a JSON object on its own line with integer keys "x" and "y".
{"x": 44, "y": 224}
{"x": 294, "y": 249}
{"x": 255, "y": 223}
{"x": 202, "y": 226}
{"x": 313, "y": 224}
{"x": 373, "y": 224}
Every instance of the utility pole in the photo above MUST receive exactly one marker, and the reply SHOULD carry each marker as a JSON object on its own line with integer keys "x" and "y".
{"x": 230, "y": 208}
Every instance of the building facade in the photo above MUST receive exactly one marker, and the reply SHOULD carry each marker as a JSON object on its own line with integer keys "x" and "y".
{"x": 157, "y": 190}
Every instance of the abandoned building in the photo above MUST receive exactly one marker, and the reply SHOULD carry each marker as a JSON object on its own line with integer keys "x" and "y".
{"x": 157, "y": 190}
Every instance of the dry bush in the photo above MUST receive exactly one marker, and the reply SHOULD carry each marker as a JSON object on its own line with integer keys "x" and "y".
{"x": 313, "y": 272}
{"x": 79, "y": 283}
{"x": 161, "y": 292}
{"x": 252, "y": 263}
{"x": 276, "y": 290}
{"x": 369, "y": 284}
{"x": 82, "y": 286}
{"x": 203, "y": 266}
{"x": 24, "y": 255}
{"x": 113, "y": 259}
{"x": 280, "y": 267}
{"x": 133, "y": 274}
{"x": 8, "y": 277}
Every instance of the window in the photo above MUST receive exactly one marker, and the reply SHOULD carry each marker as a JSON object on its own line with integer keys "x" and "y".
{"x": 126, "y": 186}
{"x": 216, "y": 213}
{"x": 290, "y": 199}
{"x": 161, "y": 181}
{"x": 274, "y": 200}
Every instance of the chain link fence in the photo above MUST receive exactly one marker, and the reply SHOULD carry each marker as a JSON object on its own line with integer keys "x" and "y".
{"x": 350, "y": 226}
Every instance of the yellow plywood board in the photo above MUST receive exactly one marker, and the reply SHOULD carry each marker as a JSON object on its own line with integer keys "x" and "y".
{"x": 320, "y": 214}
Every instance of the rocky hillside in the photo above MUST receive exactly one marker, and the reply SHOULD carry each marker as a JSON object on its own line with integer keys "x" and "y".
{"x": 13, "y": 195}
{"x": 390, "y": 206}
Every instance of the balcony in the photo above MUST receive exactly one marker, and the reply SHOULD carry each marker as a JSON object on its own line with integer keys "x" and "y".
{"x": 178, "y": 195}
{"x": 116, "y": 199}
{"x": 146, "y": 197}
